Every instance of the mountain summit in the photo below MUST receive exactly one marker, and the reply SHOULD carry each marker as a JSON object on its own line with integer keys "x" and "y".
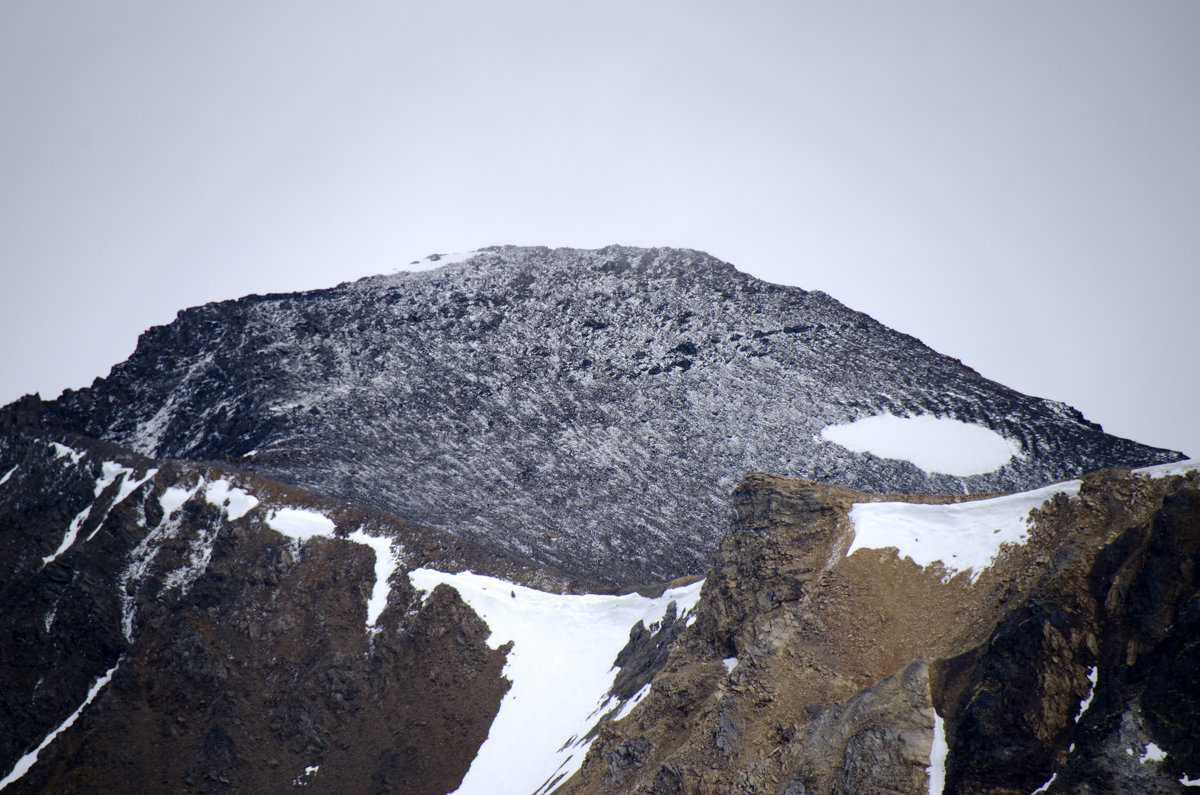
{"x": 589, "y": 410}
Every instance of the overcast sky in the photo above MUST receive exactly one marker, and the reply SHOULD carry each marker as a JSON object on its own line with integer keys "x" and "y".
{"x": 1017, "y": 184}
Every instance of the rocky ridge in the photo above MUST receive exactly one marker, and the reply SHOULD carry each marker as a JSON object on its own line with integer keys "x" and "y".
{"x": 589, "y": 410}
{"x": 239, "y": 657}
{"x": 1070, "y": 665}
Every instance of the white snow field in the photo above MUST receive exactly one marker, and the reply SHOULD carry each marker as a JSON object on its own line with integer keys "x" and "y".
{"x": 935, "y": 444}
{"x": 965, "y": 536}
{"x": 561, "y": 669}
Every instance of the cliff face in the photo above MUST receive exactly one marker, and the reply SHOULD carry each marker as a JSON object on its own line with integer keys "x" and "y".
{"x": 1072, "y": 659}
{"x": 213, "y": 652}
{"x": 590, "y": 410}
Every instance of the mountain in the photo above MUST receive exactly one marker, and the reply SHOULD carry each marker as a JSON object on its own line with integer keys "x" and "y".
{"x": 472, "y": 530}
{"x": 590, "y": 410}
{"x": 853, "y": 643}
{"x": 182, "y": 627}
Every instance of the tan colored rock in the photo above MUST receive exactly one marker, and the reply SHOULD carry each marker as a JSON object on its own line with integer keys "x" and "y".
{"x": 841, "y": 661}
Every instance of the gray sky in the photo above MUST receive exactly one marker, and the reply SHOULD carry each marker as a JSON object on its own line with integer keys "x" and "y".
{"x": 1017, "y": 184}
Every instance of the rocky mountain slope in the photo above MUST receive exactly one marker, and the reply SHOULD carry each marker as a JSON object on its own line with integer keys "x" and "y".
{"x": 590, "y": 410}
{"x": 183, "y": 627}
{"x": 228, "y": 632}
{"x": 1070, "y": 662}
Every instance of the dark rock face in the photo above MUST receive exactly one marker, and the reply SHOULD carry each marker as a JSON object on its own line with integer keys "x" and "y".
{"x": 1070, "y": 662}
{"x": 242, "y": 657}
{"x": 587, "y": 409}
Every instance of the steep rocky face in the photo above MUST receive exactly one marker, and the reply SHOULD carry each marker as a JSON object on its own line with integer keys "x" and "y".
{"x": 589, "y": 410}
{"x": 1069, "y": 663}
{"x": 207, "y": 651}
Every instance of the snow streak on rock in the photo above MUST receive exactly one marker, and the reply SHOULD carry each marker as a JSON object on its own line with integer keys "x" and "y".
{"x": 387, "y": 559}
{"x": 301, "y": 524}
{"x": 26, "y": 762}
{"x": 170, "y": 501}
{"x": 937, "y": 756}
{"x": 109, "y": 474}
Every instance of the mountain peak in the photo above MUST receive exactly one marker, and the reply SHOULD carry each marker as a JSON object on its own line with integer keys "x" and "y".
{"x": 591, "y": 409}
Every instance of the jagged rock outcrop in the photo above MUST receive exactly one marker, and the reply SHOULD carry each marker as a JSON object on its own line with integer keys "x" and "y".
{"x": 590, "y": 410}
{"x": 1071, "y": 662}
{"x": 237, "y": 658}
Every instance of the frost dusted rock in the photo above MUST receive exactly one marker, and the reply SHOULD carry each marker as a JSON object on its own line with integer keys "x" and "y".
{"x": 1072, "y": 655}
{"x": 587, "y": 409}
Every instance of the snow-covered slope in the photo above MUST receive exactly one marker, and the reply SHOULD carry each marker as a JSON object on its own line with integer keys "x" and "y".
{"x": 587, "y": 409}
{"x": 562, "y": 667}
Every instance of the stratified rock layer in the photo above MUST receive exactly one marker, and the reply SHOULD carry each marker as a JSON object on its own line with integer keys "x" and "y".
{"x": 841, "y": 665}
{"x": 590, "y": 410}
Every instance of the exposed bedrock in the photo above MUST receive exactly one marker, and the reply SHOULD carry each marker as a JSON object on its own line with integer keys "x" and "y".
{"x": 838, "y": 669}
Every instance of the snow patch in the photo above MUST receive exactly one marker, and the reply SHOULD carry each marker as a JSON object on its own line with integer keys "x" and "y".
{"x": 129, "y": 486}
{"x": 300, "y": 524}
{"x": 236, "y": 502}
{"x": 26, "y": 762}
{"x": 174, "y": 497}
{"x": 560, "y": 667}
{"x": 8, "y": 475}
{"x": 1152, "y": 754}
{"x": 69, "y": 536}
{"x": 1189, "y": 782}
{"x": 115, "y": 470}
{"x": 61, "y": 450}
{"x": 938, "y": 752}
{"x": 934, "y": 444}
{"x": 730, "y": 663}
{"x": 965, "y": 536}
